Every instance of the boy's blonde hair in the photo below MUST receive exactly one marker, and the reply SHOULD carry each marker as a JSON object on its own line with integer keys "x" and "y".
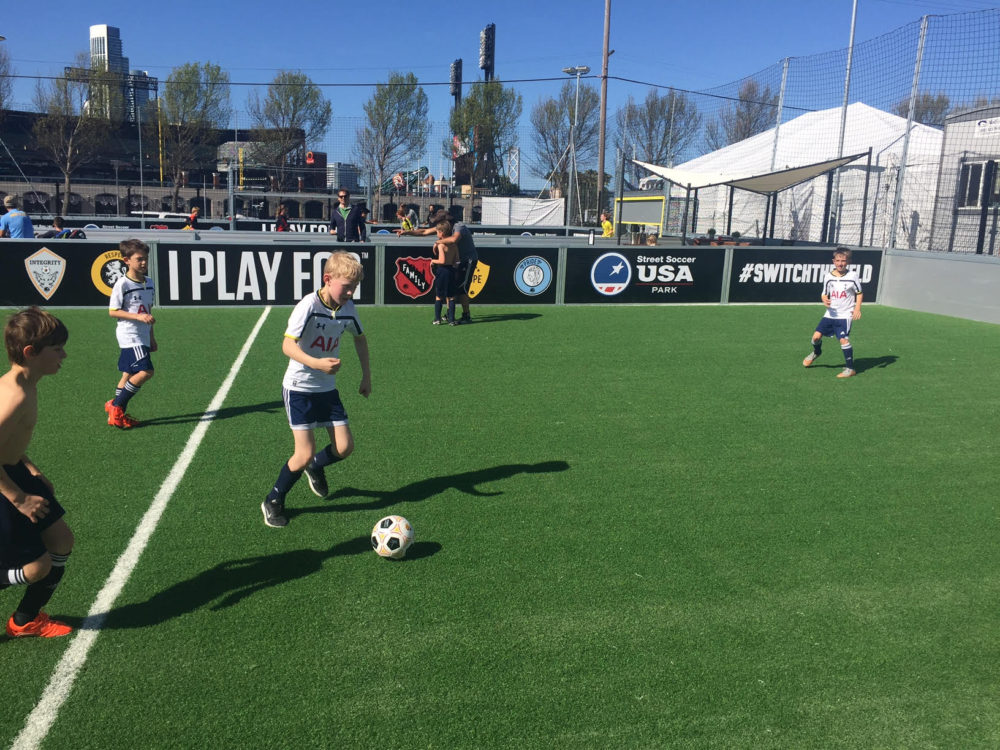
{"x": 341, "y": 265}
{"x": 32, "y": 327}
{"x": 842, "y": 251}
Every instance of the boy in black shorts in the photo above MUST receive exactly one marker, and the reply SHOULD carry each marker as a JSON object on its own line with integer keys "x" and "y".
{"x": 35, "y": 541}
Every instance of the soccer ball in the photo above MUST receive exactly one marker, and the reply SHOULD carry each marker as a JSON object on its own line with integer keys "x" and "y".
{"x": 391, "y": 537}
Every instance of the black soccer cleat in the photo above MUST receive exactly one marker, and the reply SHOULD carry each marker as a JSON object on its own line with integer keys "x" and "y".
{"x": 317, "y": 481}
{"x": 274, "y": 514}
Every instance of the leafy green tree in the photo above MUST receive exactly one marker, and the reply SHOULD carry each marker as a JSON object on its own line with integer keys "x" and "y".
{"x": 395, "y": 130}
{"x": 552, "y": 120}
{"x": 754, "y": 111}
{"x": 291, "y": 114}
{"x": 72, "y": 129}
{"x": 195, "y": 101}
{"x": 485, "y": 128}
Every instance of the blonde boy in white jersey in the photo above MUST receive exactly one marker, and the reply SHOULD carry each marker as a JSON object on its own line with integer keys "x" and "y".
{"x": 312, "y": 345}
{"x": 131, "y": 304}
{"x": 842, "y": 297}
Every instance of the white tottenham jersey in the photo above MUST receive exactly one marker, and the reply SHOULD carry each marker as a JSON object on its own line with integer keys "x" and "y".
{"x": 317, "y": 329}
{"x": 133, "y": 297}
{"x": 843, "y": 292}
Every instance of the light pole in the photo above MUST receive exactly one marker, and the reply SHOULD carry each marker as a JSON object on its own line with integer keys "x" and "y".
{"x": 577, "y": 70}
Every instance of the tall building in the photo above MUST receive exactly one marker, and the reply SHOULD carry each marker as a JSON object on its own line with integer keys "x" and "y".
{"x": 106, "y": 49}
{"x": 106, "y": 53}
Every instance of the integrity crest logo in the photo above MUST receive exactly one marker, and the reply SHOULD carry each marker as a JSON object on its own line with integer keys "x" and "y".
{"x": 414, "y": 276}
{"x": 46, "y": 271}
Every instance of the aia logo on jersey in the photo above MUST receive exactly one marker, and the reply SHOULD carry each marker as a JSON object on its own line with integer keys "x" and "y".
{"x": 414, "y": 276}
{"x": 842, "y": 294}
{"x": 325, "y": 343}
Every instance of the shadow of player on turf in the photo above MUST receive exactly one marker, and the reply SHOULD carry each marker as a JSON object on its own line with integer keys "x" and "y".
{"x": 226, "y": 412}
{"x": 504, "y": 317}
{"x": 870, "y": 363}
{"x": 224, "y": 585}
{"x": 467, "y": 482}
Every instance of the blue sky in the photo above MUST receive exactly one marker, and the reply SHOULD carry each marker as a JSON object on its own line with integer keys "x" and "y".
{"x": 686, "y": 45}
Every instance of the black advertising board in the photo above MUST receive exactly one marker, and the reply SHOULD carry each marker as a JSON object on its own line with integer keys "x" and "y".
{"x": 794, "y": 275}
{"x": 57, "y": 273}
{"x": 200, "y": 274}
{"x": 503, "y": 276}
{"x": 644, "y": 274}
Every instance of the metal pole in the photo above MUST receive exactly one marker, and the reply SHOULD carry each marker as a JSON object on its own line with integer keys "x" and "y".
{"x": 843, "y": 109}
{"x": 576, "y": 70}
{"x": 572, "y": 153}
{"x": 142, "y": 190}
{"x": 781, "y": 104}
{"x": 901, "y": 172}
{"x": 604, "y": 108}
{"x": 864, "y": 199}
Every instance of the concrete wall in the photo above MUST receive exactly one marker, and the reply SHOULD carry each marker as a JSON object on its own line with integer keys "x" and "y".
{"x": 964, "y": 286}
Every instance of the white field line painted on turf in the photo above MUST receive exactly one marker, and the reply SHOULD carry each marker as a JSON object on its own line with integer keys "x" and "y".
{"x": 43, "y": 716}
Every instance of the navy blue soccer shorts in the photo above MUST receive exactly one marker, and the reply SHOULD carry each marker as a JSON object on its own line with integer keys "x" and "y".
{"x": 20, "y": 538}
{"x": 308, "y": 410}
{"x": 135, "y": 359}
{"x": 838, "y": 328}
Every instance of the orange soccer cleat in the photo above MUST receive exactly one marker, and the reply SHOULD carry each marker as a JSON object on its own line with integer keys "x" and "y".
{"x": 118, "y": 418}
{"x": 42, "y": 626}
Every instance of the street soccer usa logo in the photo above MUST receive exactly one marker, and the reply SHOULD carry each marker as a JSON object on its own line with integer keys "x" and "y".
{"x": 611, "y": 274}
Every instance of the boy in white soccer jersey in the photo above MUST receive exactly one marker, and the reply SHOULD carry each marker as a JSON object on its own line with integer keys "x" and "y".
{"x": 842, "y": 297}
{"x": 312, "y": 345}
{"x": 131, "y": 302}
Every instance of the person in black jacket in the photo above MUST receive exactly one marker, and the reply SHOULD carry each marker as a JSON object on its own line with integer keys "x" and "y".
{"x": 348, "y": 222}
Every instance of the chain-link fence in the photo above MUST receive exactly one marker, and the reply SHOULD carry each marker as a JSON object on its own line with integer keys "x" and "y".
{"x": 921, "y": 114}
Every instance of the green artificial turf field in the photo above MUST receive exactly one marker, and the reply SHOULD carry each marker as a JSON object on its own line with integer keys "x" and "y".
{"x": 636, "y": 527}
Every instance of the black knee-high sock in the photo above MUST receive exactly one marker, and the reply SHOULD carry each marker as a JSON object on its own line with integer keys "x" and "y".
{"x": 437, "y": 309}
{"x": 38, "y": 594}
{"x": 324, "y": 458}
{"x": 122, "y": 399}
{"x": 12, "y": 577}
{"x": 286, "y": 480}
{"x": 817, "y": 347}
{"x": 848, "y": 356}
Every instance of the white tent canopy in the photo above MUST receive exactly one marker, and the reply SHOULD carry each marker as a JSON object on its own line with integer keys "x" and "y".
{"x": 767, "y": 183}
{"x": 805, "y": 143}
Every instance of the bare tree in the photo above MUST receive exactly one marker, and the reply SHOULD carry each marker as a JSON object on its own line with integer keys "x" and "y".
{"x": 552, "y": 119}
{"x": 928, "y": 108}
{"x": 485, "y": 128}
{"x": 753, "y": 112}
{"x": 195, "y": 101}
{"x": 660, "y": 129}
{"x": 396, "y": 127}
{"x": 71, "y": 130}
{"x": 292, "y": 113}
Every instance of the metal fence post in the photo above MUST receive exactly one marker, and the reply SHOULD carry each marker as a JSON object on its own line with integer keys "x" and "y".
{"x": 901, "y": 172}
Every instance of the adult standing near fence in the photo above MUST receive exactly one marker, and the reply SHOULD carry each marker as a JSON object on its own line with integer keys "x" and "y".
{"x": 468, "y": 256}
{"x": 348, "y": 221}
{"x": 15, "y": 224}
